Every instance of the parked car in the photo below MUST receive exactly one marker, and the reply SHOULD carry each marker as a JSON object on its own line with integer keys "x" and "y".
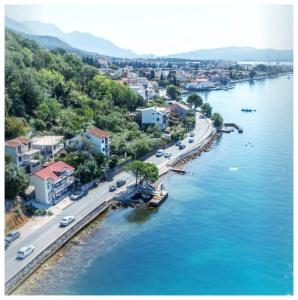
{"x": 192, "y": 134}
{"x": 95, "y": 184}
{"x": 120, "y": 182}
{"x": 191, "y": 141}
{"x": 182, "y": 146}
{"x": 178, "y": 143}
{"x": 159, "y": 153}
{"x": 12, "y": 236}
{"x": 25, "y": 251}
{"x": 168, "y": 154}
{"x": 112, "y": 188}
{"x": 6, "y": 244}
{"x": 66, "y": 221}
{"x": 78, "y": 195}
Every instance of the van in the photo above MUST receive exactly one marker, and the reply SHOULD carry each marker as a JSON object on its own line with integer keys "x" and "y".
{"x": 25, "y": 251}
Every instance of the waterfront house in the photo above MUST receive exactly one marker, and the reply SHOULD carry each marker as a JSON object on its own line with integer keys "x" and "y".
{"x": 48, "y": 145}
{"x": 153, "y": 116}
{"x": 53, "y": 182}
{"x": 180, "y": 109}
{"x": 100, "y": 139}
{"x": 22, "y": 153}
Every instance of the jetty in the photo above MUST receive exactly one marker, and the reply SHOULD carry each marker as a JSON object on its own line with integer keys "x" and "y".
{"x": 158, "y": 198}
{"x": 239, "y": 128}
{"x": 177, "y": 170}
{"x": 226, "y": 129}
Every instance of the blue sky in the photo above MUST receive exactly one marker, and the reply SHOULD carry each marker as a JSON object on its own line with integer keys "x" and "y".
{"x": 162, "y": 28}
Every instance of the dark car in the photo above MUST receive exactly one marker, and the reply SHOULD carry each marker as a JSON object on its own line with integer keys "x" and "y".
{"x": 182, "y": 146}
{"x": 178, "y": 143}
{"x": 120, "y": 182}
{"x": 78, "y": 195}
{"x": 112, "y": 188}
{"x": 191, "y": 140}
{"x": 12, "y": 236}
{"x": 6, "y": 244}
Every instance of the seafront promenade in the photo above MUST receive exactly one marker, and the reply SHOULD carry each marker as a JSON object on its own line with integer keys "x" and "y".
{"x": 18, "y": 270}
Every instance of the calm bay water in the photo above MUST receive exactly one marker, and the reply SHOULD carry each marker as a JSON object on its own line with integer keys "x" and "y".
{"x": 226, "y": 227}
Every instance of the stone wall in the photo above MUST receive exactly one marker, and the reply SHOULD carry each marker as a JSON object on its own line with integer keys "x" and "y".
{"x": 53, "y": 247}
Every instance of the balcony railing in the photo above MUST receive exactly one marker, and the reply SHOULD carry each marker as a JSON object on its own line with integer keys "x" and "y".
{"x": 61, "y": 186}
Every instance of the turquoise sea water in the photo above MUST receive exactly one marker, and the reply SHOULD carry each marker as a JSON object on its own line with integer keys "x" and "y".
{"x": 226, "y": 228}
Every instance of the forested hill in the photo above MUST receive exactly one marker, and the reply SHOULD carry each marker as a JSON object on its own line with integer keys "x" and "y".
{"x": 57, "y": 93}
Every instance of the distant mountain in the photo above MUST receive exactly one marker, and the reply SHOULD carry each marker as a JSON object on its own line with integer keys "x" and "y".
{"x": 16, "y": 26}
{"x": 238, "y": 54}
{"x": 76, "y": 39}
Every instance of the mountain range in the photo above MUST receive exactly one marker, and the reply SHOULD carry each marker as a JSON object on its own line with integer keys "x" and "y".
{"x": 50, "y": 36}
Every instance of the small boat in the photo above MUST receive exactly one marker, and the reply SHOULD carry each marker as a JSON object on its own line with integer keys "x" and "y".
{"x": 248, "y": 109}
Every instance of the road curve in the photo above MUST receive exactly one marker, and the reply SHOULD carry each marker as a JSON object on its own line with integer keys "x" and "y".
{"x": 42, "y": 237}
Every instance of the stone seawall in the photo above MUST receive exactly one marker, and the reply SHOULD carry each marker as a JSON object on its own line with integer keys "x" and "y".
{"x": 16, "y": 280}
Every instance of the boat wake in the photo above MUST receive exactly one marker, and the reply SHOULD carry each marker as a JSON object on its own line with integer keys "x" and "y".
{"x": 233, "y": 169}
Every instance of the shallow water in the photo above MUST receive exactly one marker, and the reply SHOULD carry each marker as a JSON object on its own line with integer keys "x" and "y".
{"x": 226, "y": 227}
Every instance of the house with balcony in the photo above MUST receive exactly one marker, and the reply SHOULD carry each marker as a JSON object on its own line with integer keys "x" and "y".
{"x": 49, "y": 145}
{"x": 22, "y": 153}
{"x": 53, "y": 182}
{"x": 153, "y": 116}
{"x": 100, "y": 139}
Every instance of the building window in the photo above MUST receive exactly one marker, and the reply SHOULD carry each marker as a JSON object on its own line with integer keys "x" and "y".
{"x": 19, "y": 149}
{"x": 157, "y": 119}
{"x": 102, "y": 141}
{"x": 20, "y": 158}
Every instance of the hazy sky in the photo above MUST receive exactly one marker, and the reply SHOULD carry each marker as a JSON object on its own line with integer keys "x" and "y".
{"x": 164, "y": 28}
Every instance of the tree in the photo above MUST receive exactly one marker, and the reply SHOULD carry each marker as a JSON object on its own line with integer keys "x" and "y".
{"x": 16, "y": 180}
{"x": 173, "y": 92}
{"x": 195, "y": 100}
{"x": 252, "y": 74}
{"x": 217, "y": 119}
{"x": 87, "y": 171}
{"x": 206, "y": 109}
{"x": 15, "y": 127}
{"x": 143, "y": 171}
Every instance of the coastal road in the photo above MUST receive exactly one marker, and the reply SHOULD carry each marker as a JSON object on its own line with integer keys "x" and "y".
{"x": 42, "y": 237}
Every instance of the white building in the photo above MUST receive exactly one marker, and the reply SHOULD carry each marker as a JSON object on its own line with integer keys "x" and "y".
{"x": 153, "y": 116}
{"x": 53, "y": 182}
{"x": 99, "y": 138}
{"x": 22, "y": 153}
{"x": 48, "y": 145}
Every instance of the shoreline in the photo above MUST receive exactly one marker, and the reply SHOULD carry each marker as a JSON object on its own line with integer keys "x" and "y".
{"x": 76, "y": 239}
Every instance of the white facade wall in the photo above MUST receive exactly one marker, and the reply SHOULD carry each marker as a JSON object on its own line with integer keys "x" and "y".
{"x": 41, "y": 191}
{"x": 152, "y": 116}
{"x": 101, "y": 144}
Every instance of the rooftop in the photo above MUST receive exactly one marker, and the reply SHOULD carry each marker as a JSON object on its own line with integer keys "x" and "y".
{"x": 17, "y": 141}
{"x": 178, "y": 104}
{"x": 53, "y": 171}
{"x": 98, "y": 133}
{"x": 47, "y": 140}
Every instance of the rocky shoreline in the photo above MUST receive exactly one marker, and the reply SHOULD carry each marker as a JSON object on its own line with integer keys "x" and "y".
{"x": 78, "y": 240}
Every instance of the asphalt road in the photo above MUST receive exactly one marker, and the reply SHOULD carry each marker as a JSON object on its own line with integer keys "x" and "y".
{"x": 48, "y": 233}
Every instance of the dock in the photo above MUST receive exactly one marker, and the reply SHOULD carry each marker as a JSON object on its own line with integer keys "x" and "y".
{"x": 226, "y": 129}
{"x": 240, "y": 129}
{"x": 177, "y": 170}
{"x": 158, "y": 198}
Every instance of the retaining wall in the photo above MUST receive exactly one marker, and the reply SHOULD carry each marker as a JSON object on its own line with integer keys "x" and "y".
{"x": 17, "y": 279}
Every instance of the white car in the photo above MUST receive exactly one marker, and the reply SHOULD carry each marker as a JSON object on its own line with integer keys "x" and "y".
{"x": 159, "y": 153}
{"x": 25, "y": 251}
{"x": 67, "y": 220}
{"x": 168, "y": 154}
